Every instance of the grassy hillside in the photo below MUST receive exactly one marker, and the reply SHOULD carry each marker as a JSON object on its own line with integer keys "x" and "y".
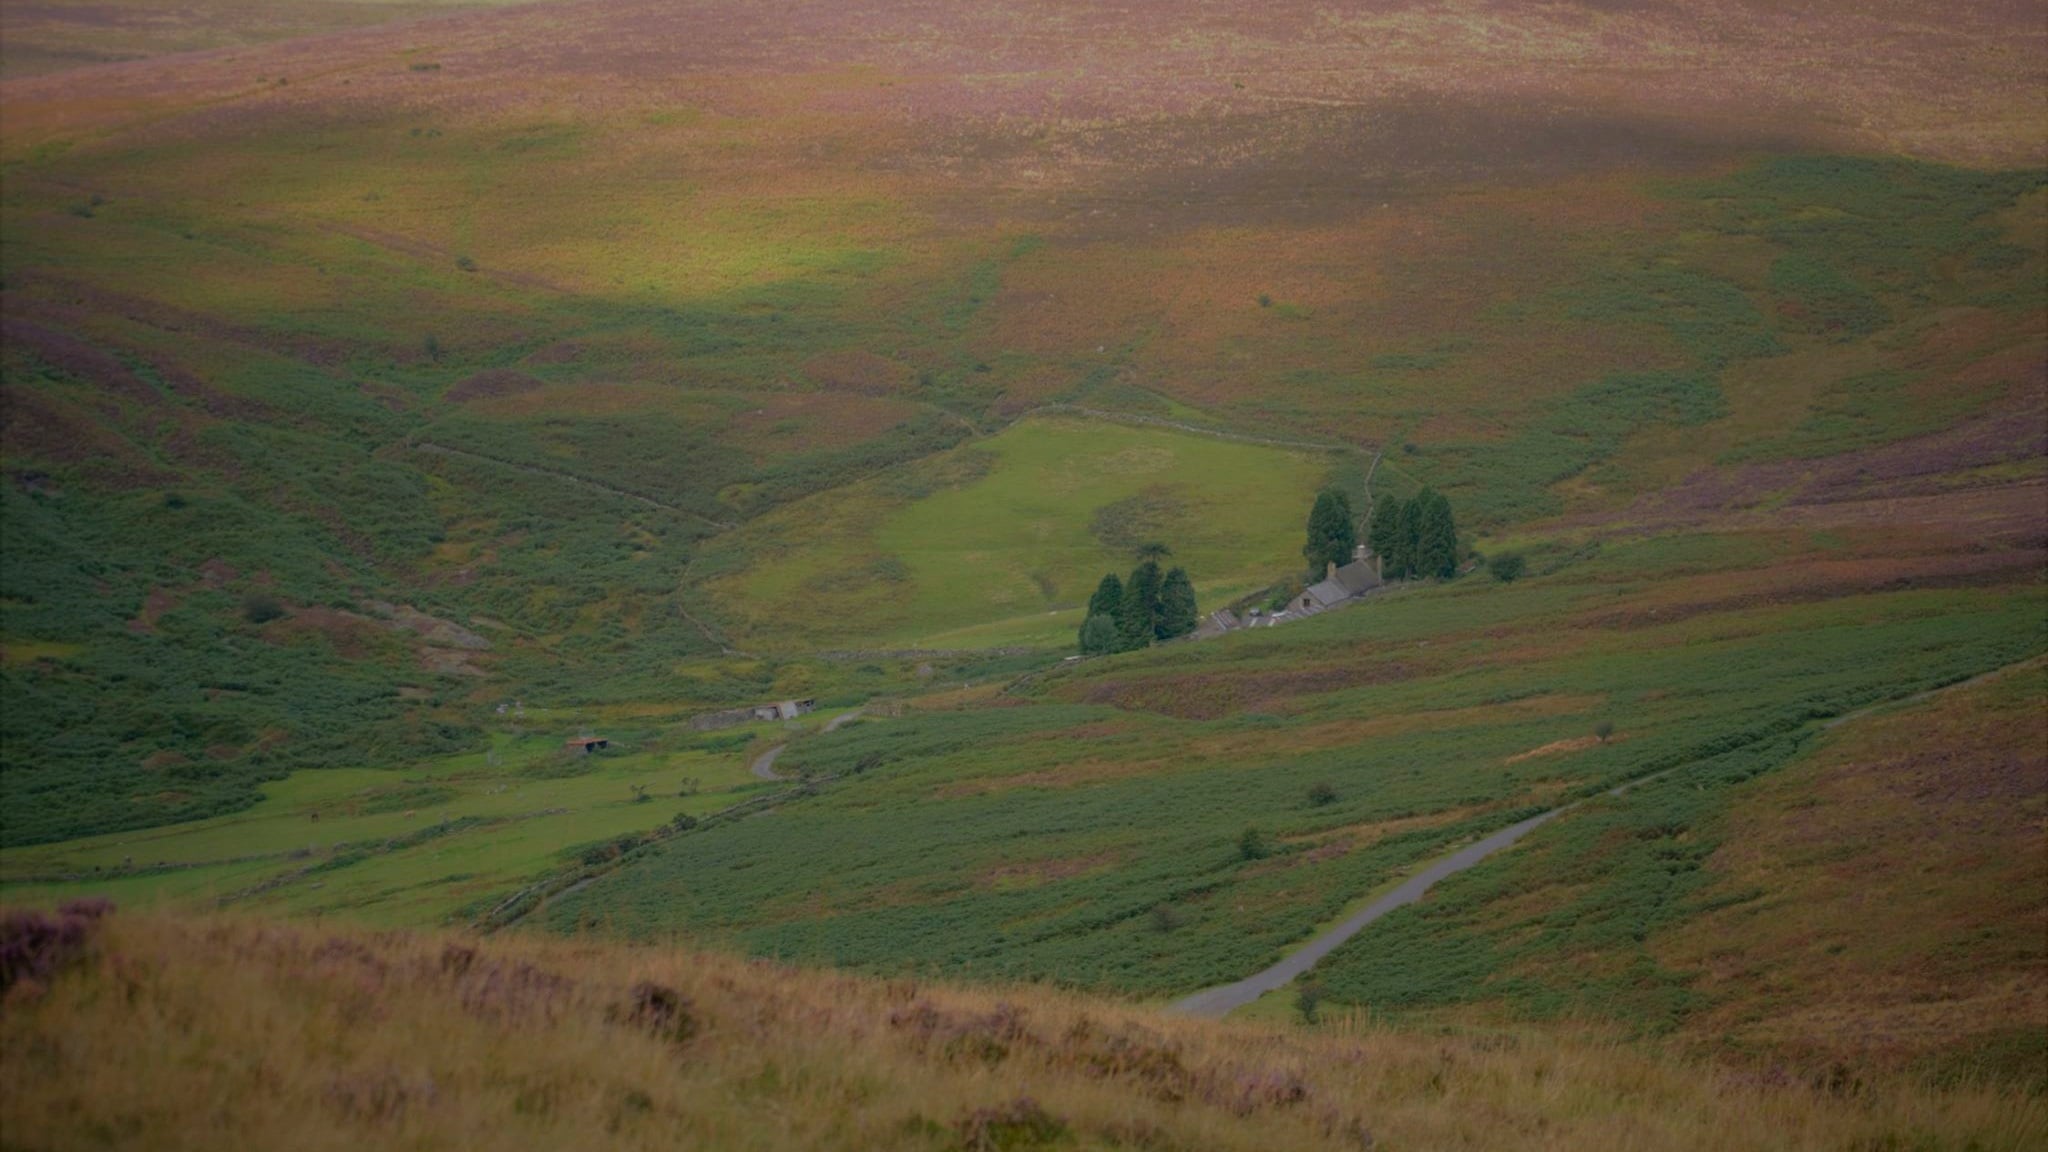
{"x": 597, "y": 386}
{"x": 1002, "y": 540}
{"x": 205, "y": 1033}
{"x": 1088, "y": 831}
{"x": 1945, "y": 796}
{"x": 379, "y": 409}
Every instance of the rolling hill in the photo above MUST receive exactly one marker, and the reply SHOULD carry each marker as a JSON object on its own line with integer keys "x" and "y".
{"x": 389, "y": 393}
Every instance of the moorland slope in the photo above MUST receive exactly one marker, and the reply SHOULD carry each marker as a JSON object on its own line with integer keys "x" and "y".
{"x": 383, "y": 408}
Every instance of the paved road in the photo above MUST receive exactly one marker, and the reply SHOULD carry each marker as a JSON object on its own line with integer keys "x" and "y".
{"x": 764, "y": 764}
{"x": 1226, "y": 998}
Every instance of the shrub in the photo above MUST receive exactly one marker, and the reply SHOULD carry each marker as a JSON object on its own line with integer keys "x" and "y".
{"x": 1507, "y": 569}
{"x": 658, "y": 1010}
{"x": 1603, "y": 730}
{"x": 33, "y": 946}
{"x": 1165, "y": 918}
{"x": 1099, "y": 635}
{"x": 261, "y": 608}
{"x": 1308, "y": 998}
{"x": 1252, "y": 845}
{"x": 1018, "y": 1124}
{"x": 1322, "y": 795}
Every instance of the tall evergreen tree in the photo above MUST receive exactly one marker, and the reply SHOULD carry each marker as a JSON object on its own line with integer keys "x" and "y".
{"x": 1178, "y": 614}
{"x": 1384, "y": 536}
{"x": 1108, "y": 598}
{"x": 1409, "y": 538}
{"x": 1137, "y": 621}
{"x": 1332, "y": 531}
{"x": 1436, "y": 543}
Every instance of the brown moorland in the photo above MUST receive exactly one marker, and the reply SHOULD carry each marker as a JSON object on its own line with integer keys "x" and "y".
{"x": 138, "y": 1028}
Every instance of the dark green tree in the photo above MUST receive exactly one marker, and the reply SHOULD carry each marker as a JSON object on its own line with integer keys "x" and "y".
{"x": 1108, "y": 598}
{"x": 1507, "y": 568}
{"x": 1436, "y": 539}
{"x": 1332, "y": 531}
{"x": 1178, "y": 614}
{"x": 1407, "y": 540}
{"x": 1384, "y": 536}
{"x": 1098, "y": 635}
{"x": 1137, "y": 621}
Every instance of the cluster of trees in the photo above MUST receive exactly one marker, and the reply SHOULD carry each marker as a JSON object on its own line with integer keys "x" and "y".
{"x": 1147, "y": 606}
{"x": 1332, "y": 532}
{"x": 1416, "y": 538}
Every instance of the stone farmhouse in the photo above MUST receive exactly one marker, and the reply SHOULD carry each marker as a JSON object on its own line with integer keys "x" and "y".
{"x": 1339, "y": 586}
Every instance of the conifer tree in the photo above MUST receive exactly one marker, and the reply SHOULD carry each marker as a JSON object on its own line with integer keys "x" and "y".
{"x": 1178, "y": 614}
{"x": 1408, "y": 539}
{"x": 1098, "y": 635}
{"x": 1108, "y": 598}
{"x": 1332, "y": 532}
{"x": 1436, "y": 544}
{"x": 1384, "y": 537}
{"x": 1137, "y": 621}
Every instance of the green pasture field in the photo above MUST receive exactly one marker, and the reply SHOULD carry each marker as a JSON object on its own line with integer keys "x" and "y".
{"x": 1000, "y": 541}
{"x": 366, "y": 839}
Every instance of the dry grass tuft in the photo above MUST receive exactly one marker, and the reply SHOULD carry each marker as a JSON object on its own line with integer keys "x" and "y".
{"x": 222, "y": 1032}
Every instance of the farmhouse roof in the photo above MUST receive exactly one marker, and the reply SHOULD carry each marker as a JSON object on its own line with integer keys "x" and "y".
{"x": 1340, "y": 585}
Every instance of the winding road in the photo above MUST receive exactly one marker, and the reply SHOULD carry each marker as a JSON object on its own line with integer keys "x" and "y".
{"x": 764, "y": 764}
{"x": 1226, "y": 998}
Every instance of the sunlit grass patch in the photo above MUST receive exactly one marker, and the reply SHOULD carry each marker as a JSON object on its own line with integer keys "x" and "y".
{"x": 1008, "y": 529}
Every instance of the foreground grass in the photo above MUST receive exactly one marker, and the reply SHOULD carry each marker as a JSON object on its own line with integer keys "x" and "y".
{"x": 223, "y": 1032}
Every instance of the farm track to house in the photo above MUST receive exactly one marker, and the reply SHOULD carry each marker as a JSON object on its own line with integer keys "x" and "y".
{"x": 764, "y": 764}
{"x": 1223, "y": 999}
